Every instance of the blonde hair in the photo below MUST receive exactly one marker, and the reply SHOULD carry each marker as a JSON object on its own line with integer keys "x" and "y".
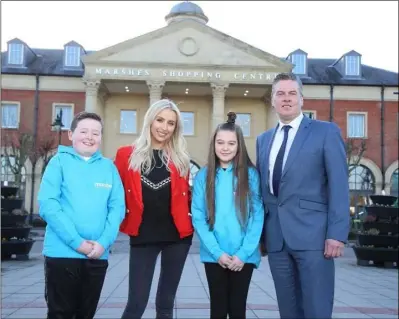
{"x": 175, "y": 149}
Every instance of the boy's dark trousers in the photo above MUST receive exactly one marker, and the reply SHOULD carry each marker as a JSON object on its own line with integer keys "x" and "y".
{"x": 73, "y": 286}
{"x": 228, "y": 290}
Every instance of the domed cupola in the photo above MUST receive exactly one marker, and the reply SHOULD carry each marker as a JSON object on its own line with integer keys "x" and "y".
{"x": 186, "y": 10}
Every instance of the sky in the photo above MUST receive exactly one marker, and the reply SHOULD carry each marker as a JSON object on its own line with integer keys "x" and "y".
{"x": 323, "y": 29}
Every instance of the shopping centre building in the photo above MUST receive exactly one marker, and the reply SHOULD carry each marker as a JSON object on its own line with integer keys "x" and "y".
{"x": 207, "y": 73}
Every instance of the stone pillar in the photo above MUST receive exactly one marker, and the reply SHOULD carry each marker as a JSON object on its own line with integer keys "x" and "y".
{"x": 155, "y": 89}
{"x": 95, "y": 103}
{"x": 92, "y": 87}
{"x": 218, "y": 93}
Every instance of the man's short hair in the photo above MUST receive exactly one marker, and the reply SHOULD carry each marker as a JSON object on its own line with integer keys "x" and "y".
{"x": 287, "y": 76}
{"x": 85, "y": 115}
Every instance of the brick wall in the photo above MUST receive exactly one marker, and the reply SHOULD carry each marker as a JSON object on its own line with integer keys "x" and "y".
{"x": 373, "y": 109}
{"x": 46, "y": 100}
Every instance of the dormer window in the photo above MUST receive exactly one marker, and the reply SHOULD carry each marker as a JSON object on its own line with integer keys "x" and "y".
{"x": 299, "y": 60}
{"x": 72, "y": 55}
{"x": 352, "y": 65}
{"x": 15, "y": 53}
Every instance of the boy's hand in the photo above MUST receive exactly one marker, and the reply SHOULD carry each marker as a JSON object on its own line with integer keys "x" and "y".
{"x": 85, "y": 248}
{"x": 97, "y": 250}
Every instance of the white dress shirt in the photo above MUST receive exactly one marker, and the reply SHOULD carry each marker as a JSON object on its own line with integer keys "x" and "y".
{"x": 278, "y": 141}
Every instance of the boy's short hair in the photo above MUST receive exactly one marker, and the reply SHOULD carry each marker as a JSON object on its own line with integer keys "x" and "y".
{"x": 85, "y": 115}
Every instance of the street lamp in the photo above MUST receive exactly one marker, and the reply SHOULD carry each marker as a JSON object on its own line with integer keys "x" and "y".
{"x": 58, "y": 125}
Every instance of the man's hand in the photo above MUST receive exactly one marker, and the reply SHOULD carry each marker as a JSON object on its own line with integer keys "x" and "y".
{"x": 97, "y": 250}
{"x": 236, "y": 264}
{"x": 225, "y": 260}
{"x": 85, "y": 248}
{"x": 333, "y": 248}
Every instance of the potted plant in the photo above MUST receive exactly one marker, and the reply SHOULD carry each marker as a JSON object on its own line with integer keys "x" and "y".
{"x": 377, "y": 241}
{"x": 14, "y": 230}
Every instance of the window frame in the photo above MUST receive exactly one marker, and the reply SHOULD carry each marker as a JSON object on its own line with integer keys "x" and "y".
{"x": 312, "y": 112}
{"x": 194, "y": 126}
{"x": 55, "y": 104}
{"x": 302, "y": 59}
{"x": 120, "y": 122}
{"x": 348, "y": 114}
{"x": 250, "y": 123}
{"x": 18, "y": 105}
{"x": 352, "y": 61}
{"x": 77, "y": 56}
{"x": 10, "y": 51}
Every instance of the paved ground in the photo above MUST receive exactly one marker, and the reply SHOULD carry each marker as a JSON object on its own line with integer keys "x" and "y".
{"x": 361, "y": 292}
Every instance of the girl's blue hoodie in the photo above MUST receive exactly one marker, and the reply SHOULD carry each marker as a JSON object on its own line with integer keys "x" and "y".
{"x": 228, "y": 236}
{"x": 80, "y": 200}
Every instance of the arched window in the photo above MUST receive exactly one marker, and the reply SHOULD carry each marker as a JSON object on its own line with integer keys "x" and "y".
{"x": 361, "y": 185}
{"x": 361, "y": 179}
{"x": 394, "y": 183}
{"x": 194, "y": 168}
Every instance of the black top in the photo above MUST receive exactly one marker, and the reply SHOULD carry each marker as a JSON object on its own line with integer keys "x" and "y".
{"x": 157, "y": 225}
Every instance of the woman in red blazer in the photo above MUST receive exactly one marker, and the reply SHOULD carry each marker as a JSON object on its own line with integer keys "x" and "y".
{"x": 155, "y": 174}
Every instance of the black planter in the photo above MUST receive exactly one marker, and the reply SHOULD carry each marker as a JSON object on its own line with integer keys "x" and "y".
{"x": 18, "y": 232}
{"x": 377, "y": 255}
{"x": 9, "y": 204}
{"x": 384, "y": 228}
{"x": 20, "y": 248}
{"x": 10, "y": 220}
{"x": 383, "y": 199}
{"x": 378, "y": 240}
{"x": 382, "y": 212}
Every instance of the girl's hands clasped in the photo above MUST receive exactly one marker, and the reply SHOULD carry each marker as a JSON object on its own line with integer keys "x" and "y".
{"x": 236, "y": 264}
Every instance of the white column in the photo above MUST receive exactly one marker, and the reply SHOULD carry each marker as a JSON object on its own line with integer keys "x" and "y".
{"x": 218, "y": 93}
{"x": 155, "y": 89}
{"x": 92, "y": 87}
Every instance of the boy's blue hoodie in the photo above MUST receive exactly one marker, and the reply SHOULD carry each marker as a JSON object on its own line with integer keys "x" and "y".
{"x": 80, "y": 200}
{"x": 228, "y": 236}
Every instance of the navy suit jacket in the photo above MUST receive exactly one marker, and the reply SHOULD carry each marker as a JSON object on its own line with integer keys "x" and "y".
{"x": 313, "y": 201}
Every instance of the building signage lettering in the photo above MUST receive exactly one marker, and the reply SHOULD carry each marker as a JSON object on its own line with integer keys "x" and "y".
{"x": 184, "y": 74}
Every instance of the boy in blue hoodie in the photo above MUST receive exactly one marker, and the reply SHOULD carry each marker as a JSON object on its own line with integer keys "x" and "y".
{"x": 82, "y": 200}
{"x": 227, "y": 212}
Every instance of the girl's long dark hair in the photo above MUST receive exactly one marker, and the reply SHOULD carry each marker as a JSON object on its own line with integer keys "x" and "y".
{"x": 241, "y": 163}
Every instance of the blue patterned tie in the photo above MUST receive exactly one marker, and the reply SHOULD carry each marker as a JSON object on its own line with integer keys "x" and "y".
{"x": 278, "y": 165}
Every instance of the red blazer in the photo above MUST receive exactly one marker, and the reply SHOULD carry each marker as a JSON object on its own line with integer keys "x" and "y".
{"x": 180, "y": 201}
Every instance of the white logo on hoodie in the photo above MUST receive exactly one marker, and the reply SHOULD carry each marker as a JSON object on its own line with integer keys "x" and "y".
{"x": 103, "y": 185}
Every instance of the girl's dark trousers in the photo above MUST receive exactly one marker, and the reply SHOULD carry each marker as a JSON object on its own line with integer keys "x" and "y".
{"x": 143, "y": 259}
{"x": 228, "y": 290}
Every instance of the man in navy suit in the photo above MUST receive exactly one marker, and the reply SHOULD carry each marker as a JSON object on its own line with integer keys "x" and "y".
{"x": 304, "y": 181}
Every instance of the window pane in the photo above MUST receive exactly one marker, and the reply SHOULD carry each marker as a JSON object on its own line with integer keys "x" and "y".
{"x": 309, "y": 114}
{"x": 9, "y": 115}
{"x": 244, "y": 120}
{"x": 299, "y": 60}
{"x": 188, "y": 123}
{"x": 15, "y": 53}
{"x": 6, "y": 172}
{"x": 352, "y": 65}
{"x": 128, "y": 122}
{"x": 72, "y": 56}
{"x": 357, "y": 127}
{"x": 67, "y": 115}
{"x": 395, "y": 183}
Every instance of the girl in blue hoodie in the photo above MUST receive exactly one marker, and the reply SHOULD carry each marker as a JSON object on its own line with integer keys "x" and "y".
{"x": 228, "y": 215}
